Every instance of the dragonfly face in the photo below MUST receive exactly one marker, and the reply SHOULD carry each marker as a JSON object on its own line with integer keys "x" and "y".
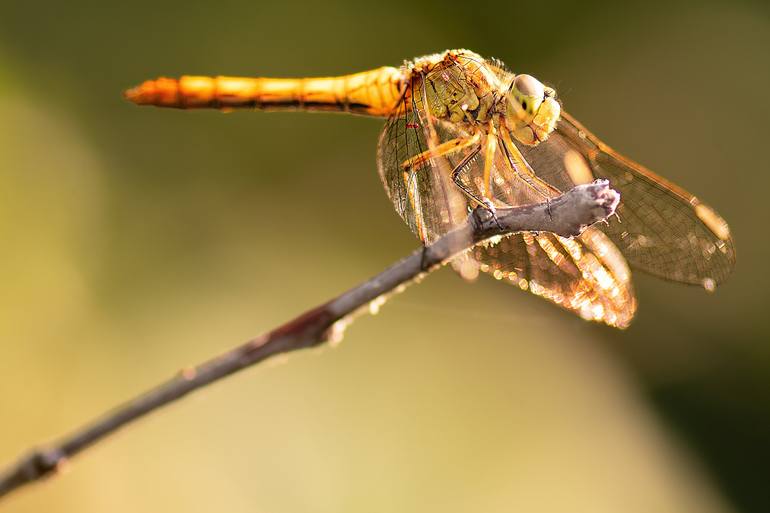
{"x": 531, "y": 110}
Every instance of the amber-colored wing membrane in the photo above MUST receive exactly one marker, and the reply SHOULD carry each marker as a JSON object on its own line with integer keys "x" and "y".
{"x": 660, "y": 228}
{"x": 585, "y": 274}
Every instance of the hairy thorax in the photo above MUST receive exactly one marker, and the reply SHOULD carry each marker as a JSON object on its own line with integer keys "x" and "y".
{"x": 457, "y": 86}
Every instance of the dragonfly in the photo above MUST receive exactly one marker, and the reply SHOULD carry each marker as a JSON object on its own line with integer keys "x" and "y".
{"x": 464, "y": 131}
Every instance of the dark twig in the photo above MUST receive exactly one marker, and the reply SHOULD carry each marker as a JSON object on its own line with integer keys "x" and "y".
{"x": 566, "y": 215}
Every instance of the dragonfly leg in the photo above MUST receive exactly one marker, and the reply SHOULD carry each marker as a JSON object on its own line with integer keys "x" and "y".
{"x": 442, "y": 150}
{"x": 424, "y": 259}
{"x": 482, "y": 201}
{"x": 522, "y": 169}
{"x": 457, "y": 179}
{"x": 489, "y": 158}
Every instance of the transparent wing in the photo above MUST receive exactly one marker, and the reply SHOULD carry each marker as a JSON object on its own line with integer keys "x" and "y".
{"x": 586, "y": 275}
{"x": 423, "y": 195}
{"x": 661, "y": 228}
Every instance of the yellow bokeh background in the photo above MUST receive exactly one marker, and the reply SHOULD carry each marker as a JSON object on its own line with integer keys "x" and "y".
{"x": 136, "y": 241}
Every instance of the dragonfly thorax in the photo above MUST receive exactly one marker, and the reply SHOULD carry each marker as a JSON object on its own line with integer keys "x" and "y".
{"x": 531, "y": 110}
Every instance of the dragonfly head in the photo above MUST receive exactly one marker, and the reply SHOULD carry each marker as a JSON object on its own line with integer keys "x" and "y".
{"x": 531, "y": 110}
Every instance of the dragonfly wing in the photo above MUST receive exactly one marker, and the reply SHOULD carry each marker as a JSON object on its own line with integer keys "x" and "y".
{"x": 661, "y": 228}
{"x": 424, "y": 195}
{"x": 585, "y": 274}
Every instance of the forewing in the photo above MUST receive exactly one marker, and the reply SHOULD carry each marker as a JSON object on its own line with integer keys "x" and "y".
{"x": 424, "y": 197}
{"x": 660, "y": 228}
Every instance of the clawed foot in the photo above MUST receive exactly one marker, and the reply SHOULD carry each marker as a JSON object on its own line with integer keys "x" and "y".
{"x": 424, "y": 259}
{"x": 492, "y": 212}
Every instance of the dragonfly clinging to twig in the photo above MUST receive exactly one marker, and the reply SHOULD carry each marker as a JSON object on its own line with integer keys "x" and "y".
{"x": 463, "y": 131}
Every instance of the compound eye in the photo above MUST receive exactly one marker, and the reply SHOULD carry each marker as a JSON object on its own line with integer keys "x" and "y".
{"x": 527, "y": 85}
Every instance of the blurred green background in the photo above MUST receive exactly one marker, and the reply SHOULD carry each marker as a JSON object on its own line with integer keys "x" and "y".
{"x": 134, "y": 241}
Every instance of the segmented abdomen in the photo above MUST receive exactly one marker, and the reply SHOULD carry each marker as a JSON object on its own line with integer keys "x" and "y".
{"x": 375, "y": 92}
